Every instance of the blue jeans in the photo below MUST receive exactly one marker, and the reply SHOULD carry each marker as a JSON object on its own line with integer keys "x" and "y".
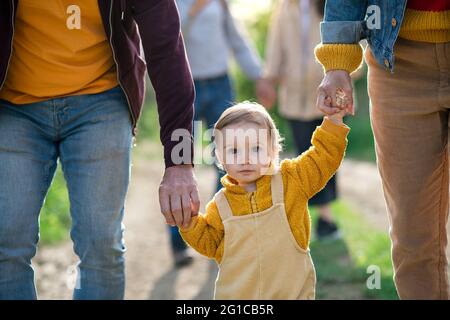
{"x": 91, "y": 135}
{"x": 213, "y": 96}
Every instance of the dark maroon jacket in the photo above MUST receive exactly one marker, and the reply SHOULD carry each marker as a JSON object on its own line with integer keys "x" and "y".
{"x": 127, "y": 23}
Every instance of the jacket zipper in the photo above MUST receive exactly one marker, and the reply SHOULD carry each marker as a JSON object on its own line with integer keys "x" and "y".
{"x": 117, "y": 65}
{"x": 12, "y": 43}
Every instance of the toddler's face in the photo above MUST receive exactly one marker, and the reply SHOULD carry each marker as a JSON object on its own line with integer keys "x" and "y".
{"x": 245, "y": 151}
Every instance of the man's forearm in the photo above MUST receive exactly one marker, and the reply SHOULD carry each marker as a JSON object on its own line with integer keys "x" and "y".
{"x": 169, "y": 72}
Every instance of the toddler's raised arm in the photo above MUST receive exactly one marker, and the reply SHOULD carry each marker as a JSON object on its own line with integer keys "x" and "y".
{"x": 319, "y": 163}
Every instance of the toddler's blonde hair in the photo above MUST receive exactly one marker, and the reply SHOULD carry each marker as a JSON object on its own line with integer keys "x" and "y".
{"x": 255, "y": 113}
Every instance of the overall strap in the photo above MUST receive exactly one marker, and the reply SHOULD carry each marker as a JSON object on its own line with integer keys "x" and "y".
{"x": 223, "y": 205}
{"x": 276, "y": 185}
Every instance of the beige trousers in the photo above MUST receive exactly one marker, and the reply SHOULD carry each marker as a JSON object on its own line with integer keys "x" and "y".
{"x": 410, "y": 120}
{"x": 262, "y": 259}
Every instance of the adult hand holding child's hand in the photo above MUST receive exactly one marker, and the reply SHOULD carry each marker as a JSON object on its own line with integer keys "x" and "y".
{"x": 178, "y": 195}
{"x": 333, "y": 82}
{"x": 338, "y": 117}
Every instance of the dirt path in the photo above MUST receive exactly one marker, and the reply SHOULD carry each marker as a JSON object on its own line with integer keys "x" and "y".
{"x": 149, "y": 267}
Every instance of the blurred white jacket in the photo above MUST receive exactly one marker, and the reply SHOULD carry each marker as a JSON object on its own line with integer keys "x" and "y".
{"x": 293, "y": 34}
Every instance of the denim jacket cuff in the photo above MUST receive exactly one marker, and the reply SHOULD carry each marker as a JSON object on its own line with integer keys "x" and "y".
{"x": 345, "y": 32}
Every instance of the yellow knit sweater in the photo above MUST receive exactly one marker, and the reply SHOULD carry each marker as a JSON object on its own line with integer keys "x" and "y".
{"x": 303, "y": 177}
{"x": 425, "y": 26}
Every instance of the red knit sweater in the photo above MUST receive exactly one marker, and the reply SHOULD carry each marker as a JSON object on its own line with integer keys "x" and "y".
{"x": 430, "y": 5}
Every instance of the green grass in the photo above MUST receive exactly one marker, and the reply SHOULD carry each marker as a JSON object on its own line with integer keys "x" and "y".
{"x": 148, "y": 125}
{"x": 55, "y": 218}
{"x": 341, "y": 265}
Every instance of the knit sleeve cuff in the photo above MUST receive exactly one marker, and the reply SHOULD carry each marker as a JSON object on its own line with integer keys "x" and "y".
{"x": 346, "y": 57}
{"x": 335, "y": 129}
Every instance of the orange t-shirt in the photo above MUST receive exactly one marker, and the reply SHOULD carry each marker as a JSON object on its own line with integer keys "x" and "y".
{"x": 60, "y": 48}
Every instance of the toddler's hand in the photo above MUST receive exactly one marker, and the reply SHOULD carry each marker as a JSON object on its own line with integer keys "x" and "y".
{"x": 339, "y": 115}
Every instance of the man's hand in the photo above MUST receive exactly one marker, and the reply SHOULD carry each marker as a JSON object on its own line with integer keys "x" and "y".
{"x": 266, "y": 93}
{"x": 178, "y": 195}
{"x": 333, "y": 82}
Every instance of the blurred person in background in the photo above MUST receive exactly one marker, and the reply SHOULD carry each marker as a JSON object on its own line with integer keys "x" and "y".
{"x": 290, "y": 64}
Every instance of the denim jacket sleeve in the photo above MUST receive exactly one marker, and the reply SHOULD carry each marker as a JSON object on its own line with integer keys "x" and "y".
{"x": 341, "y": 30}
{"x": 343, "y": 21}
{"x": 346, "y": 22}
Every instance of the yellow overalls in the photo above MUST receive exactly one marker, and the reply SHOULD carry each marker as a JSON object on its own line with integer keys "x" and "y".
{"x": 262, "y": 259}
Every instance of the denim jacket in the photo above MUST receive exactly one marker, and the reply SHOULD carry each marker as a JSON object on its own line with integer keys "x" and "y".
{"x": 378, "y": 21}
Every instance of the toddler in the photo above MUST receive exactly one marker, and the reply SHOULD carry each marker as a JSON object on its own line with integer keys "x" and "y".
{"x": 257, "y": 227}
